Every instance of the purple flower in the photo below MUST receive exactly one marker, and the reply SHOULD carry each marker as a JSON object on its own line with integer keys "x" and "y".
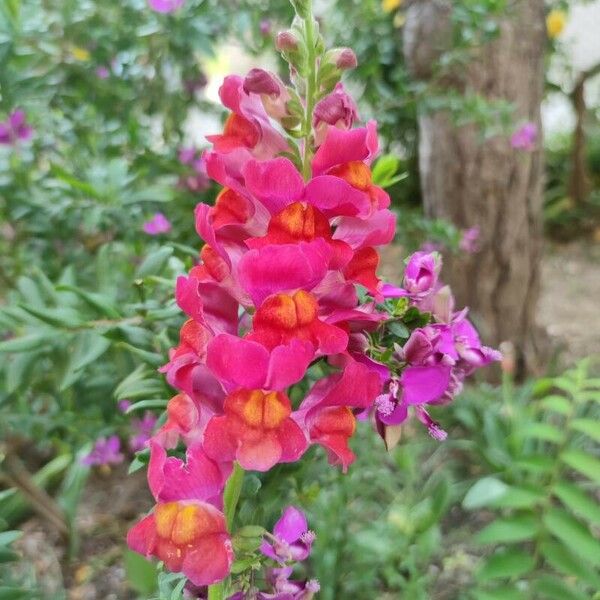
{"x": 142, "y": 430}
{"x": 265, "y": 27}
{"x": 525, "y": 137}
{"x": 123, "y": 405}
{"x": 102, "y": 72}
{"x": 165, "y": 6}
{"x": 293, "y": 539}
{"x": 186, "y": 155}
{"x": 469, "y": 240}
{"x": 421, "y": 273}
{"x": 157, "y": 225}
{"x": 15, "y": 128}
{"x": 106, "y": 451}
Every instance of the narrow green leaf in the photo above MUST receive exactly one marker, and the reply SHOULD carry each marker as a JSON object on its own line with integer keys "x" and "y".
{"x": 23, "y": 343}
{"x": 583, "y": 463}
{"x": 564, "y": 561}
{"x": 520, "y": 497}
{"x": 88, "y": 347}
{"x": 578, "y": 501}
{"x": 96, "y": 301}
{"x": 557, "y": 404}
{"x": 505, "y": 564}
{"x": 509, "y": 529}
{"x": 544, "y": 431}
{"x": 575, "y": 535}
{"x": 145, "y": 404}
{"x": 553, "y": 588}
{"x": 155, "y": 262}
{"x": 484, "y": 492}
{"x": 62, "y": 318}
{"x": 8, "y": 537}
{"x": 504, "y": 592}
{"x": 590, "y": 427}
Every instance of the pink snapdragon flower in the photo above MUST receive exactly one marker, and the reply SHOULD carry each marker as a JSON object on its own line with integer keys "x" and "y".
{"x": 157, "y": 224}
{"x": 525, "y": 137}
{"x": 15, "y": 129}
{"x": 165, "y": 6}
{"x": 106, "y": 451}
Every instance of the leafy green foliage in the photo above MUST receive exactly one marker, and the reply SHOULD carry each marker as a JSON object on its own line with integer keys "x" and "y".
{"x": 544, "y": 490}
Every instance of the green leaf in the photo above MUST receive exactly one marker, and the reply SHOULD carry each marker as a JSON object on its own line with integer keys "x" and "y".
{"x": 155, "y": 262}
{"x": 544, "y": 431}
{"x": 504, "y": 592}
{"x": 8, "y": 537}
{"x": 537, "y": 464}
{"x": 152, "y": 358}
{"x": 8, "y": 555}
{"x": 14, "y": 593}
{"x": 575, "y": 535}
{"x": 578, "y": 501}
{"x": 583, "y": 463}
{"x": 62, "y": 318}
{"x": 590, "y": 427}
{"x": 145, "y": 404}
{"x": 96, "y": 301}
{"x": 509, "y": 529}
{"x": 557, "y": 404}
{"x": 141, "y": 573}
{"x": 484, "y": 492}
{"x": 553, "y": 588}
{"x": 505, "y": 564}
{"x": 564, "y": 561}
{"x": 23, "y": 343}
{"x": 88, "y": 347}
{"x": 520, "y": 497}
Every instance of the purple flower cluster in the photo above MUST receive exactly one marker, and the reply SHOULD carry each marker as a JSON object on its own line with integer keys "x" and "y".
{"x": 436, "y": 358}
{"x": 15, "y": 129}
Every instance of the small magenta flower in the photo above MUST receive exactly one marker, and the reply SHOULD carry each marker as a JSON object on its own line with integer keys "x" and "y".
{"x": 123, "y": 405}
{"x": 469, "y": 240}
{"x": 293, "y": 540}
{"x": 15, "y": 129}
{"x": 525, "y": 137}
{"x": 106, "y": 451}
{"x": 165, "y": 6}
{"x": 142, "y": 430}
{"x": 265, "y": 27}
{"x": 102, "y": 72}
{"x": 157, "y": 225}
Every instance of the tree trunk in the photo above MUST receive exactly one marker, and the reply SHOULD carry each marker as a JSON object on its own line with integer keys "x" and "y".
{"x": 485, "y": 183}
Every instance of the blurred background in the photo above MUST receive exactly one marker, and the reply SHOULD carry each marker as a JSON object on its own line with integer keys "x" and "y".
{"x": 489, "y": 116}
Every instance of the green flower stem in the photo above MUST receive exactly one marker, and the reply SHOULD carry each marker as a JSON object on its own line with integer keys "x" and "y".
{"x": 311, "y": 87}
{"x": 231, "y": 496}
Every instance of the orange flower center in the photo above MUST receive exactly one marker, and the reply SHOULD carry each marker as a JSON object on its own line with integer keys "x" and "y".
{"x": 356, "y": 173}
{"x": 239, "y": 127}
{"x": 259, "y": 409}
{"x": 289, "y": 312}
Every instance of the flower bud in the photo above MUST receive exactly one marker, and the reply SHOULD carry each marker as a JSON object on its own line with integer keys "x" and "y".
{"x": 337, "y": 109}
{"x": 259, "y": 81}
{"x": 273, "y": 94}
{"x": 344, "y": 58}
{"x": 286, "y": 41}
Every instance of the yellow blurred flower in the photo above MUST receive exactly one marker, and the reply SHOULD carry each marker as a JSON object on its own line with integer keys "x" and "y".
{"x": 80, "y": 54}
{"x": 555, "y": 22}
{"x": 399, "y": 20}
{"x": 389, "y": 6}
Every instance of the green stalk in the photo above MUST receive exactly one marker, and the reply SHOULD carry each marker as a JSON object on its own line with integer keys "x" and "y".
{"x": 311, "y": 87}
{"x": 231, "y": 495}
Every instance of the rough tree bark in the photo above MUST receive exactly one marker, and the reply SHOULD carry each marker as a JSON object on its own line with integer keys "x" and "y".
{"x": 487, "y": 184}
